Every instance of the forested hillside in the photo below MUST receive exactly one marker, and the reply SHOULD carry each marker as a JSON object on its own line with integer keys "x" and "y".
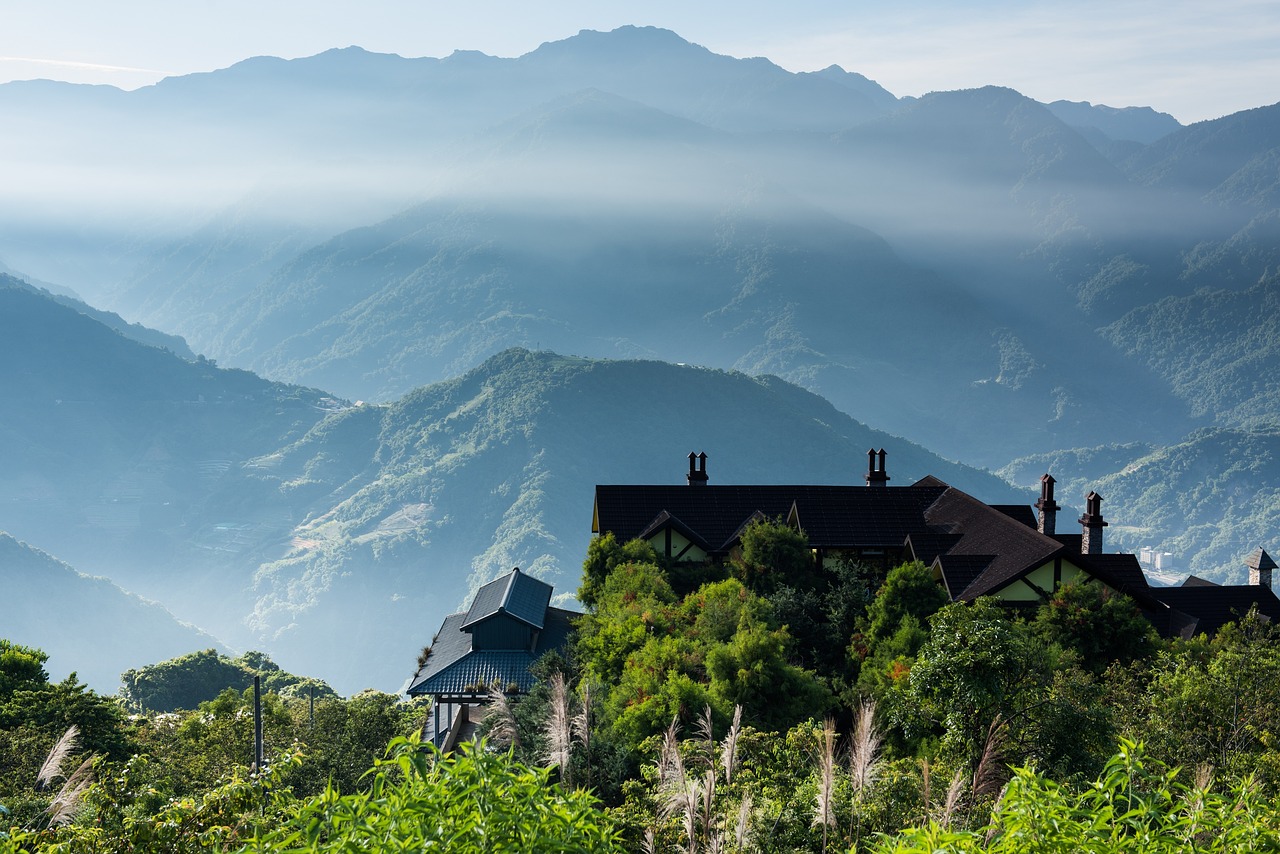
{"x": 933, "y": 264}
{"x": 88, "y": 626}
{"x": 993, "y": 278}
{"x": 269, "y": 515}
{"x": 1210, "y": 500}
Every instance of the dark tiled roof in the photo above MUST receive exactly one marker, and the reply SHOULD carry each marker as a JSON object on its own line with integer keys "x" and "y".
{"x": 960, "y": 571}
{"x": 831, "y": 516}
{"x": 862, "y": 517}
{"x": 455, "y": 668}
{"x": 1020, "y": 513}
{"x": 1121, "y": 571}
{"x": 926, "y": 546}
{"x": 1214, "y": 606}
{"x": 518, "y": 594}
{"x": 983, "y": 530}
{"x": 1073, "y": 542}
{"x": 1260, "y": 560}
{"x": 1197, "y": 581}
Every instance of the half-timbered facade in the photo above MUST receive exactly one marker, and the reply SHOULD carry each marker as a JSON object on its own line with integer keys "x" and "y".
{"x": 974, "y": 549}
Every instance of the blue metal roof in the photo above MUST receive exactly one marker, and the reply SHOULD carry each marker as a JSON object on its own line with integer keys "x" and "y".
{"x": 515, "y": 594}
{"x": 455, "y": 668}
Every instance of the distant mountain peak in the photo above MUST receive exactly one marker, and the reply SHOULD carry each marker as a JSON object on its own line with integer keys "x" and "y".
{"x": 623, "y": 41}
{"x": 1136, "y": 124}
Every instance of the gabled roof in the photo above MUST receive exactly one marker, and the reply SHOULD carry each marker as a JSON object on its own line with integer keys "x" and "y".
{"x": 960, "y": 571}
{"x": 1014, "y": 548}
{"x": 1020, "y": 513}
{"x": 1212, "y": 606}
{"x": 925, "y": 546}
{"x": 1197, "y": 581}
{"x": 666, "y": 520}
{"x": 1121, "y": 571}
{"x": 1260, "y": 560}
{"x": 454, "y": 668}
{"x": 515, "y": 594}
{"x": 831, "y": 516}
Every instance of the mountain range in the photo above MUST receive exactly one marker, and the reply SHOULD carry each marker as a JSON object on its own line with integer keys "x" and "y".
{"x": 388, "y": 252}
{"x": 333, "y": 534}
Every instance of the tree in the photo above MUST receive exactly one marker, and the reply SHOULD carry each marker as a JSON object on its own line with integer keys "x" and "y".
{"x": 35, "y": 713}
{"x": 977, "y": 665}
{"x": 774, "y": 554}
{"x": 1221, "y": 705}
{"x": 909, "y": 590}
{"x": 604, "y": 555}
{"x": 21, "y": 667}
{"x": 634, "y": 602}
{"x": 189, "y": 680}
{"x": 1099, "y": 624}
{"x": 751, "y": 670}
{"x": 895, "y": 627}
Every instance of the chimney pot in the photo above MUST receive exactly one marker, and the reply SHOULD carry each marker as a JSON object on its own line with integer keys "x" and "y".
{"x": 1260, "y": 565}
{"x": 697, "y": 469}
{"x": 876, "y": 475}
{"x": 1047, "y": 507}
{"x": 1092, "y": 524}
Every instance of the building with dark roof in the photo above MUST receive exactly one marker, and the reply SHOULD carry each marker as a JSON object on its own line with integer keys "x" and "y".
{"x": 492, "y": 645}
{"x": 974, "y": 549}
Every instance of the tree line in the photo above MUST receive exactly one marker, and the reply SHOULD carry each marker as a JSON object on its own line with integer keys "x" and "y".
{"x": 763, "y": 703}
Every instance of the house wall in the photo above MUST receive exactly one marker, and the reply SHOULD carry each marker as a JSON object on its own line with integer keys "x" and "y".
{"x": 501, "y": 633}
{"x": 886, "y": 559}
{"x": 673, "y": 544}
{"x": 1043, "y": 579}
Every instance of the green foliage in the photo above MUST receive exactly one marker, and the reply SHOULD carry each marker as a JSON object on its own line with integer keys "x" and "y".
{"x": 20, "y": 667}
{"x": 635, "y": 602}
{"x": 604, "y": 555}
{"x": 657, "y": 658}
{"x": 195, "y": 750}
{"x": 909, "y": 591}
{"x": 982, "y": 669}
{"x": 1218, "y": 705}
{"x": 469, "y": 802}
{"x": 1098, "y": 624}
{"x": 35, "y": 713}
{"x": 1136, "y": 805}
{"x": 893, "y": 630}
{"x": 751, "y": 669}
{"x": 189, "y": 680}
{"x": 773, "y": 554}
{"x": 127, "y": 810}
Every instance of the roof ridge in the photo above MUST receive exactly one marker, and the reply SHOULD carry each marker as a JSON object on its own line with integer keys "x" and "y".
{"x": 511, "y": 584}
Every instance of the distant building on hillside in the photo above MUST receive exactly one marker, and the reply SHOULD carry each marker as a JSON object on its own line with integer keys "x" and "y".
{"x": 1156, "y": 560}
{"x": 490, "y": 646}
{"x": 1011, "y": 552}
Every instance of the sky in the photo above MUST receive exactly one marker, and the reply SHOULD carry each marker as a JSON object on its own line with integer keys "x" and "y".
{"x": 1190, "y": 58}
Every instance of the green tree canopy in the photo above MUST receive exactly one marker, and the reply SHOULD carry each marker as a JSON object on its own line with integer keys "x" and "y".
{"x": 773, "y": 554}
{"x": 1099, "y": 624}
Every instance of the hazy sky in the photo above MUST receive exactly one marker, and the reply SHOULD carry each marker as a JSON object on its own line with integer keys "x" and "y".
{"x": 1194, "y": 59}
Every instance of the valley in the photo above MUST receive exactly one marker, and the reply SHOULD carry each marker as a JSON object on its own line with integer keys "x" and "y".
{"x": 319, "y": 346}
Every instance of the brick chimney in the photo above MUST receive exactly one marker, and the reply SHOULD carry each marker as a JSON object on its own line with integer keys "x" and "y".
{"x": 1047, "y": 507}
{"x": 697, "y": 469}
{"x": 1093, "y": 523}
{"x": 876, "y": 476}
{"x": 1260, "y": 565}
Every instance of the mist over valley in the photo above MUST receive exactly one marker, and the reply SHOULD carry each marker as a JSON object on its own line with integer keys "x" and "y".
{"x": 305, "y": 351}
